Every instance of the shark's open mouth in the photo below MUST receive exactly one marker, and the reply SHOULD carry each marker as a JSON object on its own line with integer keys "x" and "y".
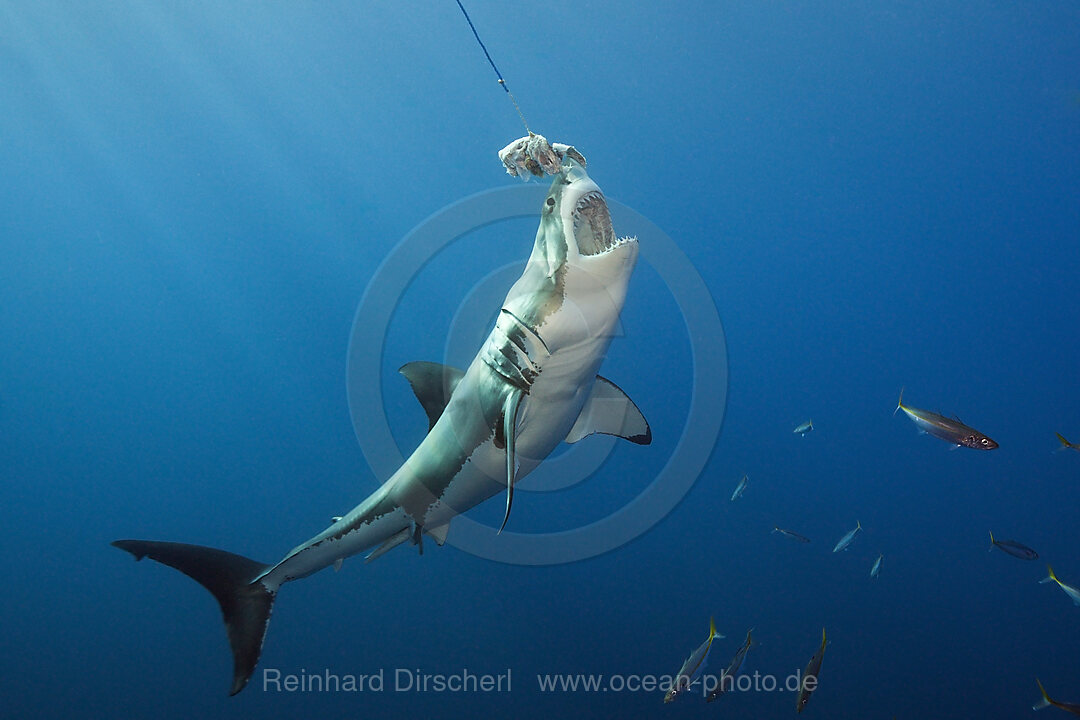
{"x": 592, "y": 225}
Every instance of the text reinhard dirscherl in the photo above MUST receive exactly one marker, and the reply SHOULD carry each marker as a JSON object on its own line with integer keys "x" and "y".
{"x": 399, "y": 680}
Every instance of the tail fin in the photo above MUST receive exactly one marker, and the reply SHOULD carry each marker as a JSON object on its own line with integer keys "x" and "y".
{"x": 1050, "y": 577}
{"x": 992, "y": 543}
{"x": 900, "y": 402}
{"x": 230, "y": 578}
{"x": 1044, "y": 701}
{"x": 1064, "y": 443}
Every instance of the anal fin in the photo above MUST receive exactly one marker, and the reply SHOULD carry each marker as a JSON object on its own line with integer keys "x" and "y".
{"x": 438, "y": 534}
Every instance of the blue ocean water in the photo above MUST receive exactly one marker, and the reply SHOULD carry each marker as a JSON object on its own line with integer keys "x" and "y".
{"x": 194, "y": 197}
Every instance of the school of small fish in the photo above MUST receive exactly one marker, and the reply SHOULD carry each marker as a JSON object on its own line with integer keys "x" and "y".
{"x": 951, "y": 430}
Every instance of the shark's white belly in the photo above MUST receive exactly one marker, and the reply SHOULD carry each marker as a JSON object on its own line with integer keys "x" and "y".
{"x": 545, "y": 417}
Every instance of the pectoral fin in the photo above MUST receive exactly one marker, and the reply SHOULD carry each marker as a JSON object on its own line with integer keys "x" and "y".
{"x": 433, "y": 384}
{"x": 510, "y": 408}
{"x": 609, "y": 411}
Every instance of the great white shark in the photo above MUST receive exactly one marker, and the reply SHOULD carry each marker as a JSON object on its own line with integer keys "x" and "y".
{"x": 532, "y": 385}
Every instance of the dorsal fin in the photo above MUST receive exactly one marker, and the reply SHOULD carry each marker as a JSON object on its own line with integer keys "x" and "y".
{"x": 609, "y": 411}
{"x": 433, "y": 384}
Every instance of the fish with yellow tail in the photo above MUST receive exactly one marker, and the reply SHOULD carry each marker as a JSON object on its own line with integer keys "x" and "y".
{"x": 950, "y": 430}
{"x": 1072, "y": 592}
{"x": 691, "y": 670}
{"x": 1011, "y": 547}
{"x": 809, "y": 681}
{"x": 849, "y": 537}
{"x": 1045, "y": 701}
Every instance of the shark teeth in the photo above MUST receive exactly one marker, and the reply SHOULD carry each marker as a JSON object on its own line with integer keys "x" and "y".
{"x": 592, "y": 225}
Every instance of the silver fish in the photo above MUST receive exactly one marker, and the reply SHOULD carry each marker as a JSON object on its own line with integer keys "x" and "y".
{"x": 691, "y": 669}
{"x": 727, "y": 677}
{"x": 1011, "y": 547}
{"x": 810, "y": 676}
{"x": 791, "y": 534}
{"x": 948, "y": 429}
{"x": 740, "y": 488}
{"x": 849, "y": 537}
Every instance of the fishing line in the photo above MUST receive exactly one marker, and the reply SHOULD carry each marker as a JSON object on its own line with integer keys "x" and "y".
{"x": 492, "y": 63}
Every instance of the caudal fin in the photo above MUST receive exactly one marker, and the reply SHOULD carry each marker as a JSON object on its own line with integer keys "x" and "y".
{"x": 230, "y": 578}
{"x": 1064, "y": 443}
{"x": 1044, "y": 701}
{"x": 900, "y": 402}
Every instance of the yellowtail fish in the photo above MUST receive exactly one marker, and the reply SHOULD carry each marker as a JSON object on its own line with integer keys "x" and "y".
{"x": 740, "y": 488}
{"x": 875, "y": 570}
{"x": 804, "y": 428}
{"x": 791, "y": 534}
{"x": 1017, "y": 550}
{"x": 948, "y": 429}
{"x": 691, "y": 670}
{"x": 1065, "y": 444}
{"x": 849, "y": 537}
{"x": 1045, "y": 702}
{"x": 727, "y": 677}
{"x": 810, "y": 676}
{"x": 1069, "y": 589}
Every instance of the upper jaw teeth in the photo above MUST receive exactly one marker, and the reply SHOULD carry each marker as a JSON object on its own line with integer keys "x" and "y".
{"x": 592, "y": 224}
{"x": 587, "y": 198}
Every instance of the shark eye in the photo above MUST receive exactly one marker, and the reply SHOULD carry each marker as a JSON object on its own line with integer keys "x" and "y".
{"x": 551, "y": 202}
